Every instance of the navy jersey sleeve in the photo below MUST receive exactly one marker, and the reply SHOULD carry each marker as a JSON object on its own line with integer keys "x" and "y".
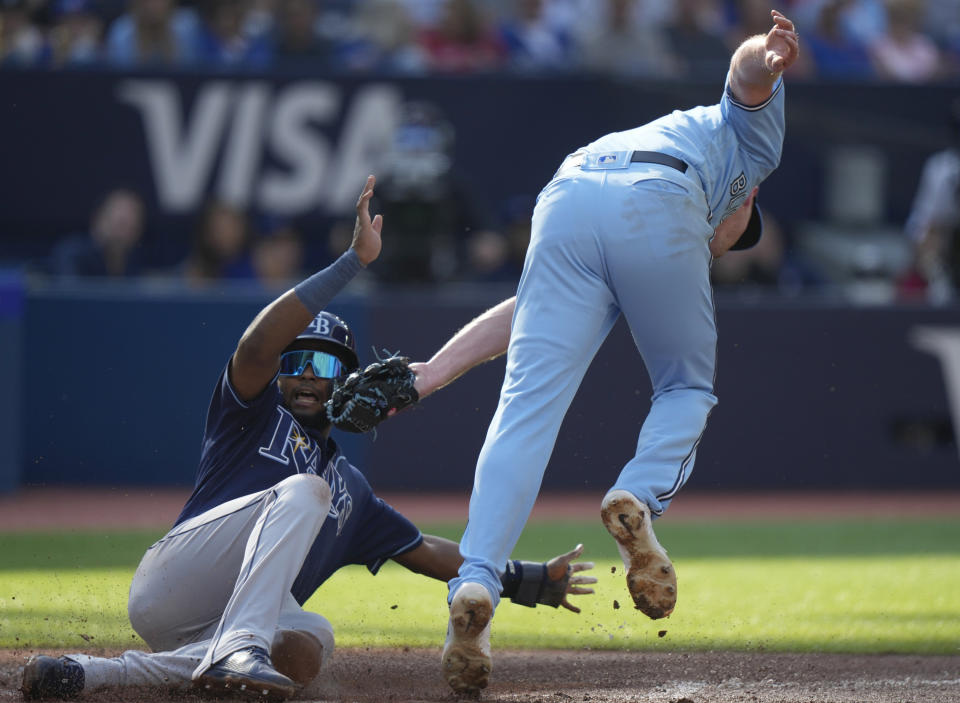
{"x": 383, "y": 534}
{"x": 226, "y": 406}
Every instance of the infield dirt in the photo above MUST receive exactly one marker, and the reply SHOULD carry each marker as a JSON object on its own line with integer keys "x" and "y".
{"x": 397, "y": 676}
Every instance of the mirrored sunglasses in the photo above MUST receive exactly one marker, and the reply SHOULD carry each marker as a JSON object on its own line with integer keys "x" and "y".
{"x": 324, "y": 365}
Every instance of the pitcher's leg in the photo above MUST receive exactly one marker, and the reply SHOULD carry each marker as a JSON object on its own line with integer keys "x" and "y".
{"x": 667, "y": 446}
{"x": 667, "y": 301}
{"x": 660, "y": 273}
{"x": 564, "y": 311}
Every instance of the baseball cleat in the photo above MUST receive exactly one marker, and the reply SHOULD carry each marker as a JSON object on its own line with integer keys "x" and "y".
{"x": 651, "y": 579}
{"x": 248, "y": 672}
{"x": 466, "y": 653}
{"x": 49, "y": 677}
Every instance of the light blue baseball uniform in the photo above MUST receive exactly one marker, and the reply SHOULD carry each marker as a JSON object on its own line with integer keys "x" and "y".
{"x": 608, "y": 237}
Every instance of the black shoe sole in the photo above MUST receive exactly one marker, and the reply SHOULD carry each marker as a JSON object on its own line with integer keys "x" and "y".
{"x": 243, "y": 686}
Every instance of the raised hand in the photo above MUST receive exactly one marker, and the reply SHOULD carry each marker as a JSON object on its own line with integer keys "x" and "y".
{"x": 557, "y": 569}
{"x": 366, "y": 232}
{"x": 782, "y": 44}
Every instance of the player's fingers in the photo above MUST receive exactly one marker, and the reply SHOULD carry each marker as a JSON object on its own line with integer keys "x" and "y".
{"x": 569, "y": 606}
{"x": 367, "y": 192}
{"x": 583, "y": 566}
{"x": 790, "y": 38}
{"x": 583, "y": 579}
{"x": 368, "y": 185}
{"x": 577, "y": 591}
{"x": 780, "y": 20}
{"x": 574, "y": 553}
{"x": 377, "y": 224}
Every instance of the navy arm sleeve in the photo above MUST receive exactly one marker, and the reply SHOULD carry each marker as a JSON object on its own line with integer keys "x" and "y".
{"x": 384, "y": 534}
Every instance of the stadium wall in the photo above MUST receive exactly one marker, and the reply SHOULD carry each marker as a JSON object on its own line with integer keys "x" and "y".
{"x": 299, "y": 145}
{"x": 116, "y": 381}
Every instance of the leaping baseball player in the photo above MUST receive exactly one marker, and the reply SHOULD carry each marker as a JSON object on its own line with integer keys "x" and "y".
{"x": 628, "y": 225}
{"x": 276, "y": 510}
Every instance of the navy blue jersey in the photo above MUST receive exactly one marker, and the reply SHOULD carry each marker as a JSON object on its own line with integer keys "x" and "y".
{"x": 249, "y": 446}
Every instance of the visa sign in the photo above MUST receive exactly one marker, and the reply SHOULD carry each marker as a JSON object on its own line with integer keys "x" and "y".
{"x": 944, "y": 343}
{"x": 273, "y": 144}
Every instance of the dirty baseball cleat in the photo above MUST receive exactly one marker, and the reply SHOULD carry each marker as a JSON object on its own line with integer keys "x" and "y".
{"x": 651, "y": 579}
{"x": 248, "y": 672}
{"x": 466, "y": 653}
{"x": 49, "y": 677}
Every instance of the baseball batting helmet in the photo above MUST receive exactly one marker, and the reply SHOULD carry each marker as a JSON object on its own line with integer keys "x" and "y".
{"x": 333, "y": 336}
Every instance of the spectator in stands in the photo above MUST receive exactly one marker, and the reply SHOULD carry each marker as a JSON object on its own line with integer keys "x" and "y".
{"x": 904, "y": 53}
{"x": 75, "y": 35}
{"x": 295, "y": 38}
{"x": 153, "y": 32}
{"x": 260, "y": 17}
{"x": 835, "y": 53}
{"x": 221, "y": 40}
{"x": 385, "y": 40}
{"x": 277, "y": 254}
{"x": 942, "y": 24}
{"x": 933, "y": 225}
{"x": 696, "y": 39}
{"x": 221, "y": 245}
{"x": 532, "y": 42}
{"x": 497, "y": 256}
{"x": 424, "y": 13}
{"x": 488, "y": 258}
{"x": 463, "y": 40}
{"x": 21, "y": 41}
{"x": 620, "y": 45}
{"x": 111, "y": 247}
{"x": 419, "y": 192}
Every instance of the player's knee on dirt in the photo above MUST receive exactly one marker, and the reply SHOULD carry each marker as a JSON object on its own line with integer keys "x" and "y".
{"x": 308, "y": 491}
{"x": 297, "y": 654}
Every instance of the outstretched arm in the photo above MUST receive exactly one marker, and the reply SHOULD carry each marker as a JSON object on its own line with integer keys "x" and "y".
{"x": 484, "y": 338}
{"x": 440, "y": 558}
{"x": 758, "y": 61}
{"x": 257, "y": 358}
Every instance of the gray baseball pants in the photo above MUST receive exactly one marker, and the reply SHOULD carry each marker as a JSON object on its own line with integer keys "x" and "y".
{"x": 218, "y": 583}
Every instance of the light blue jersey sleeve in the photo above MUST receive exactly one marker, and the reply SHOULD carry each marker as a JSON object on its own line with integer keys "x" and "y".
{"x": 759, "y": 128}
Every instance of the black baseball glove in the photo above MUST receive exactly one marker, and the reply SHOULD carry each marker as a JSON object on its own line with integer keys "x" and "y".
{"x": 366, "y": 398}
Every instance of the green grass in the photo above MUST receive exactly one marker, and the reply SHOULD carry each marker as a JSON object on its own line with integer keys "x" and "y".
{"x": 877, "y": 586}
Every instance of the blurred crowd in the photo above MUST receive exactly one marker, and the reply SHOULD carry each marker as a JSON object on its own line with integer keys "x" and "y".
{"x": 439, "y": 231}
{"x": 431, "y": 240}
{"x": 896, "y": 40}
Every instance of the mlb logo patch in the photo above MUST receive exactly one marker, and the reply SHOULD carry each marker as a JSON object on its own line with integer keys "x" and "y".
{"x": 606, "y": 160}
